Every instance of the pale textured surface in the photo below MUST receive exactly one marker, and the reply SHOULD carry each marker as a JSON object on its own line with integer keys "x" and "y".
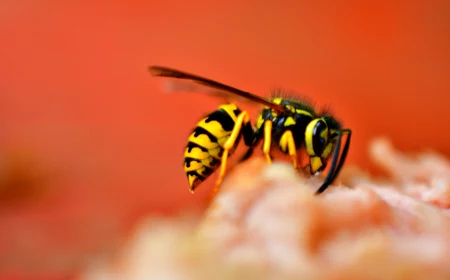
{"x": 267, "y": 224}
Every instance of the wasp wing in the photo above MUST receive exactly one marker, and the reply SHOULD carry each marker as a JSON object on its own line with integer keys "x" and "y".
{"x": 178, "y": 86}
{"x": 220, "y": 89}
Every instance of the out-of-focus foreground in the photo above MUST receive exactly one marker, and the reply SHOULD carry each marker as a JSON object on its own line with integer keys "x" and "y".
{"x": 267, "y": 224}
{"x": 90, "y": 144}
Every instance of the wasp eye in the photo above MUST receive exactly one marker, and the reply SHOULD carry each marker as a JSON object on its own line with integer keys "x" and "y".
{"x": 319, "y": 137}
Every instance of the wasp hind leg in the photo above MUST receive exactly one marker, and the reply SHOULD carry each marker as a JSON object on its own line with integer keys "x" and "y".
{"x": 242, "y": 124}
{"x": 287, "y": 144}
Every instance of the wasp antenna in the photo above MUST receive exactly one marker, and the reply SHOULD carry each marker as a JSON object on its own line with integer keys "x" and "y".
{"x": 344, "y": 152}
{"x": 164, "y": 72}
{"x": 336, "y": 162}
{"x": 330, "y": 176}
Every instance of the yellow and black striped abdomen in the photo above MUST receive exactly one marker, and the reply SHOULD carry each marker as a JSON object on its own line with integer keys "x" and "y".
{"x": 205, "y": 147}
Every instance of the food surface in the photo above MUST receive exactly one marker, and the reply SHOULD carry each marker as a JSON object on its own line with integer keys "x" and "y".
{"x": 266, "y": 223}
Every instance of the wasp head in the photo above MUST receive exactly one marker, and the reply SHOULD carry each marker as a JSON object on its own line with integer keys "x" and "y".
{"x": 319, "y": 141}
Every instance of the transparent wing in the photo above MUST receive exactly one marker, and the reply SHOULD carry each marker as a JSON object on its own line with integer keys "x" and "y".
{"x": 216, "y": 87}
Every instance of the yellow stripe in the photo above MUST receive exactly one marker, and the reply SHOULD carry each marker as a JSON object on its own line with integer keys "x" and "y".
{"x": 192, "y": 179}
{"x": 327, "y": 151}
{"x": 277, "y": 100}
{"x": 194, "y": 165}
{"x": 229, "y": 108}
{"x": 196, "y": 153}
{"x": 213, "y": 127}
{"x": 333, "y": 131}
{"x": 208, "y": 162}
{"x": 315, "y": 163}
{"x": 303, "y": 112}
{"x": 215, "y": 153}
{"x": 203, "y": 140}
{"x": 201, "y": 172}
{"x": 259, "y": 121}
{"x": 289, "y": 121}
{"x": 309, "y": 137}
{"x": 223, "y": 140}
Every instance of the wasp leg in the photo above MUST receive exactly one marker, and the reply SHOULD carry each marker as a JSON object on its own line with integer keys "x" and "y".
{"x": 241, "y": 120}
{"x": 256, "y": 138}
{"x": 335, "y": 166}
{"x": 247, "y": 155}
{"x": 287, "y": 144}
{"x": 267, "y": 140}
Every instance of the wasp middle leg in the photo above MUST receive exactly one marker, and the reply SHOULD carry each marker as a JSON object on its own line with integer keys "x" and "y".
{"x": 287, "y": 144}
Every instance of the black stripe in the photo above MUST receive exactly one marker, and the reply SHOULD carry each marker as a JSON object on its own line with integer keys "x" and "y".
{"x": 222, "y": 117}
{"x": 188, "y": 161}
{"x": 200, "y": 130}
{"x": 214, "y": 162}
{"x": 207, "y": 171}
{"x": 191, "y": 145}
{"x": 195, "y": 173}
{"x": 237, "y": 112}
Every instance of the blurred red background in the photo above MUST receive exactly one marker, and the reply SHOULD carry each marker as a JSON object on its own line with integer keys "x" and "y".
{"x": 76, "y": 101}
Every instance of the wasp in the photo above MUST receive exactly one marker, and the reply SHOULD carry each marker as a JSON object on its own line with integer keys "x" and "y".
{"x": 284, "y": 124}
